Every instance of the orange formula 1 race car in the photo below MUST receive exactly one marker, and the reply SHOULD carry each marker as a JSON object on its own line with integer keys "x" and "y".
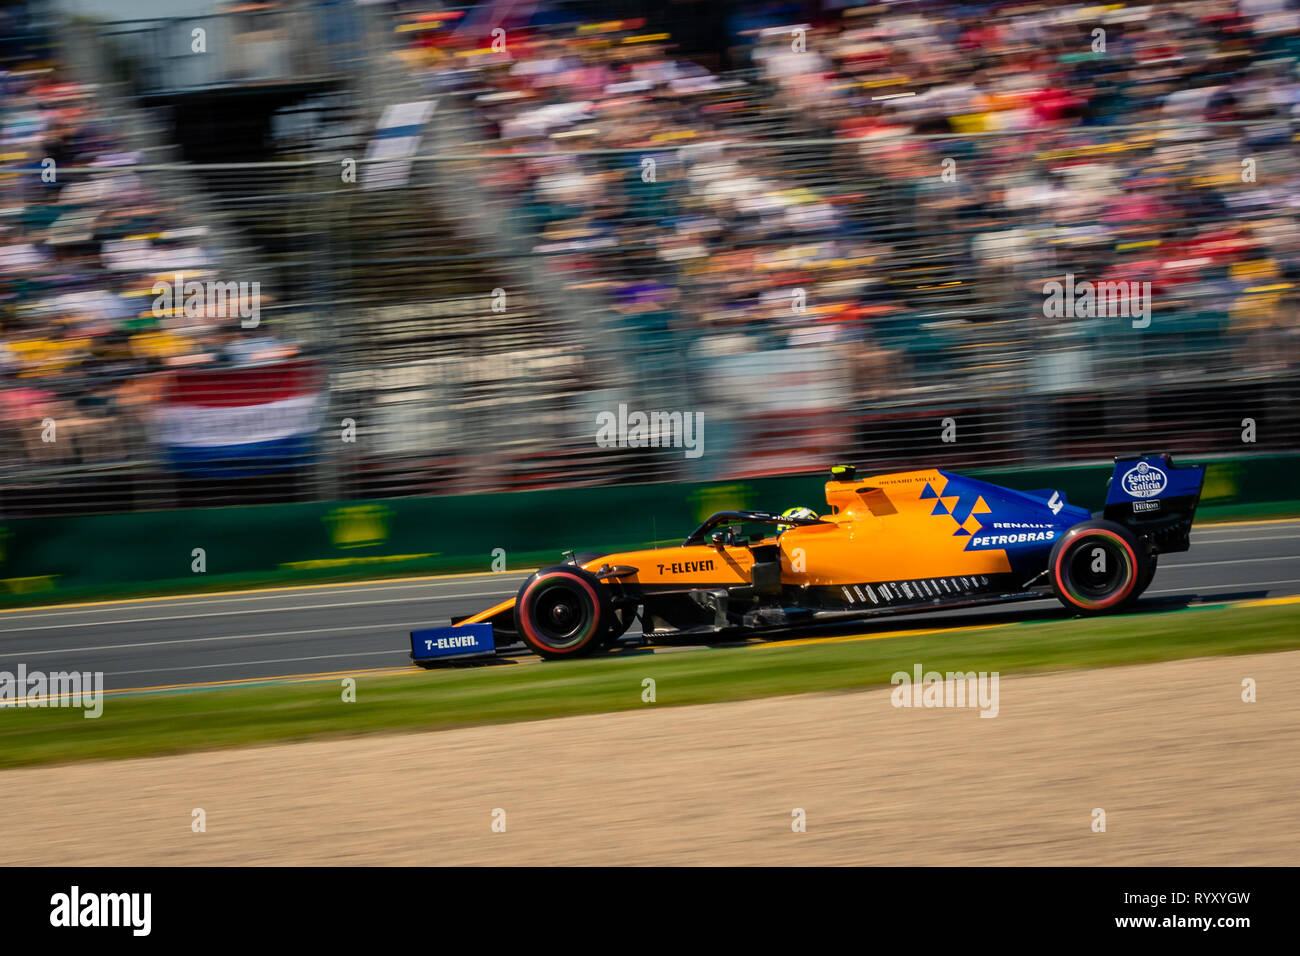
{"x": 904, "y": 542}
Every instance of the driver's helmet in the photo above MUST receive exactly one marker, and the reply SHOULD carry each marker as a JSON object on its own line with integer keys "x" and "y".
{"x": 794, "y": 513}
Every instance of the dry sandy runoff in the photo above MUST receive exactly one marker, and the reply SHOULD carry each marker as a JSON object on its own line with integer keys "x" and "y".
{"x": 1186, "y": 771}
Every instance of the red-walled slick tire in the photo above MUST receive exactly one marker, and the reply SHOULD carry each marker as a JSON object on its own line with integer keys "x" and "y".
{"x": 1097, "y": 567}
{"x": 562, "y": 611}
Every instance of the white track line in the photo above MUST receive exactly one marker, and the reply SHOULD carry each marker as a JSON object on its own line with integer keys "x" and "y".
{"x": 254, "y": 610}
{"x": 1200, "y": 592}
{"x": 279, "y": 660}
{"x": 227, "y": 597}
{"x": 47, "y": 651}
{"x": 1219, "y": 564}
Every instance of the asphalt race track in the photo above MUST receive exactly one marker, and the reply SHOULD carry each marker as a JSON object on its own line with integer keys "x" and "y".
{"x": 241, "y": 636}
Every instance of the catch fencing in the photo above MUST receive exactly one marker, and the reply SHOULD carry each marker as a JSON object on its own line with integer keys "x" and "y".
{"x": 467, "y": 319}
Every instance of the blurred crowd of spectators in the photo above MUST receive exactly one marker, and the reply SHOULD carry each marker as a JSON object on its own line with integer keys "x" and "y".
{"x": 706, "y": 205}
{"x": 83, "y": 239}
{"x": 866, "y": 211}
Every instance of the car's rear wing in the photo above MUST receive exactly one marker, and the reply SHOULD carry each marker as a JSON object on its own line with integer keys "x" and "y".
{"x": 1155, "y": 498}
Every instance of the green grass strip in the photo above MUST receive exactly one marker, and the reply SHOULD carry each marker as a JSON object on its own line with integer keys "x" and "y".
{"x": 149, "y": 724}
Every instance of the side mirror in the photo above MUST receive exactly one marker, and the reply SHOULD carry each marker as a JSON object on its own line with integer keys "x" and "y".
{"x": 719, "y": 538}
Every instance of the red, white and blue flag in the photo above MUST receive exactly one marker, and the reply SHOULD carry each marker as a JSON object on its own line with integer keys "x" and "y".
{"x": 236, "y": 422}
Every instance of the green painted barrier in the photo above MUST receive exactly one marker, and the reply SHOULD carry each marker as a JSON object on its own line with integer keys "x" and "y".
{"x": 60, "y": 559}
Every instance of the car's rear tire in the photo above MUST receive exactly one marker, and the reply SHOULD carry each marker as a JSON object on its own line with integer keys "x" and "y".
{"x": 1098, "y": 567}
{"x": 1152, "y": 561}
{"x": 563, "y": 611}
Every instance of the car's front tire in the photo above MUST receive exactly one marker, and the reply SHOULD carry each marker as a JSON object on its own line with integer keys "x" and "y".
{"x": 563, "y": 611}
{"x": 619, "y": 622}
{"x": 1098, "y": 567}
{"x": 622, "y": 615}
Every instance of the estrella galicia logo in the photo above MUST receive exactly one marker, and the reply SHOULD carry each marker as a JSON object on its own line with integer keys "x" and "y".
{"x": 1144, "y": 480}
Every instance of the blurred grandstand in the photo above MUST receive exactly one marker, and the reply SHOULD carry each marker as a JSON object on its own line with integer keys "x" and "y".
{"x": 750, "y": 222}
